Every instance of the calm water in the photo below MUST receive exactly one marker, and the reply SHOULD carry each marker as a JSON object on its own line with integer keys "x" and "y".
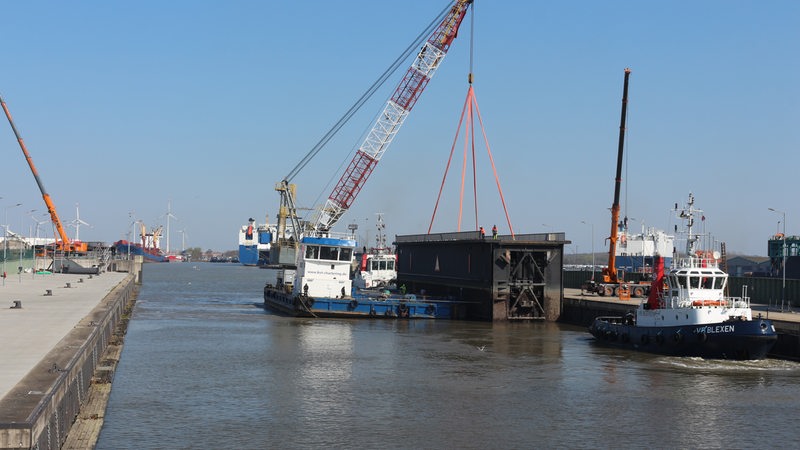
{"x": 204, "y": 366}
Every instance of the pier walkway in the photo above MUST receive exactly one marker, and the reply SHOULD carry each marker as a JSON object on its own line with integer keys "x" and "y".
{"x": 53, "y": 330}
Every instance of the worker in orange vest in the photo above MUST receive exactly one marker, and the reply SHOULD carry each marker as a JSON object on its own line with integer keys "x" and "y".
{"x": 494, "y": 231}
{"x": 483, "y": 233}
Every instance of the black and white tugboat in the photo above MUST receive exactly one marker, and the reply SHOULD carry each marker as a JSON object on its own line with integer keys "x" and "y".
{"x": 688, "y": 312}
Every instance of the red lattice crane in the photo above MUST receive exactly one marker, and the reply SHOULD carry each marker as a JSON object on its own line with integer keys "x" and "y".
{"x": 391, "y": 118}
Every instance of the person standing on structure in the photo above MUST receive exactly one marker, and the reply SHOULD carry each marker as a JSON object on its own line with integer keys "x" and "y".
{"x": 494, "y": 231}
{"x": 483, "y": 233}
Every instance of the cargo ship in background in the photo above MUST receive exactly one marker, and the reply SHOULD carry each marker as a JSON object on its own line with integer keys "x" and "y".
{"x": 636, "y": 251}
{"x": 254, "y": 243}
{"x": 148, "y": 247}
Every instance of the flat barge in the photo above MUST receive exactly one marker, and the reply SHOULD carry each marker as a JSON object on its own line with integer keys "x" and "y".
{"x": 363, "y": 305}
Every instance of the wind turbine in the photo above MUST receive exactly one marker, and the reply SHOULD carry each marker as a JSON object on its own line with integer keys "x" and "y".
{"x": 183, "y": 239}
{"x": 77, "y": 222}
{"x": 169, "y": 215}
{"x": 38, "y": 224}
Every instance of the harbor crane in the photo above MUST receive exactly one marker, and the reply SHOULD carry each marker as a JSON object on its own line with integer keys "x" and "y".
{"x": 613, "y": 283}
{"x": 373, "y": 147}
{"x": 65, "y": 244}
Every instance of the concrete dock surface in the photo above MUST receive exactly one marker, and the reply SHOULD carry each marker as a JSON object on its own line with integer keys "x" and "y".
{"x": 53, "y": 328}
{"x": 29, "y": 333}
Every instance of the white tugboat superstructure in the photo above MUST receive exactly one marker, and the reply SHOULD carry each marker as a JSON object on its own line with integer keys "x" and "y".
{"x": 688, "y": 312}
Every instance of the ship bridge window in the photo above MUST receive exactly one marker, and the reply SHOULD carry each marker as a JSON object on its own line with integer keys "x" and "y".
{"x": 694, "y": 282}
{"x": 345, "y": 254}
{"x": 374, "y": 264}
{"x": 390, "y": 264}
{"x": 329, "y": 253}
{"x": 312, "y": 252}
{"x": 682, "y": 281}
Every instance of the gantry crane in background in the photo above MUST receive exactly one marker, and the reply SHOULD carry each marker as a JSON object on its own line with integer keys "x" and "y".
{"x": 374, "y": 146}
{"x": 65, "y": 244}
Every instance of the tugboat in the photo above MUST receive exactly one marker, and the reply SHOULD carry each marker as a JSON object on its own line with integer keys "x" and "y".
{"x": 688, "y": 312}
{"x": 377, "y": 267}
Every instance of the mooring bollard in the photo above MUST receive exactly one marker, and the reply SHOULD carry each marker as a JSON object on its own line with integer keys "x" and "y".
{"x": 80, "y": 280}
{"x": 17, "y": 304}
{"x": 48, "y": 292}
{"x": 69, "y": 285}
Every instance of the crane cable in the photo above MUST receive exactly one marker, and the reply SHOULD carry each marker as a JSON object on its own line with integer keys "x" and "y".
{"x": 366, "y": 95}
{"x": 471, "y": 123}
{"x": 469, "y": 111}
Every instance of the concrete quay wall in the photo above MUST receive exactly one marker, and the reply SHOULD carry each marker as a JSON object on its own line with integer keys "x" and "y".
{"x": 39, "y": 411}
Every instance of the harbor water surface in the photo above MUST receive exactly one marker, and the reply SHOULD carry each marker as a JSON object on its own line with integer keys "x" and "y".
{"x": 205, "y": 366}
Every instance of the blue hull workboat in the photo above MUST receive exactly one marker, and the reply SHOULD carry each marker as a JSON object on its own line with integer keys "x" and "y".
{"x": 320, "y": 286}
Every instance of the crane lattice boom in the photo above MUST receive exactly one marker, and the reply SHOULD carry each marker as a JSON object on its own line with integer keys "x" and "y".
{"x": 392, "y": 117}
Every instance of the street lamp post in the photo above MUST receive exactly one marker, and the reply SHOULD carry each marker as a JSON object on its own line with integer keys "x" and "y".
{"x": 133, "y": 233}
{"x": 36, "y": 242}
{"x": 783, "y": 251}
{"x": 5, "y": 237}
{"x": 592, "y": 225}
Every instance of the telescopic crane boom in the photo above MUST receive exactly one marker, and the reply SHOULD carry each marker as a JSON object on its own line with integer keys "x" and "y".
{"x": 65, "y": 244}
{"x": 610, "y": 272}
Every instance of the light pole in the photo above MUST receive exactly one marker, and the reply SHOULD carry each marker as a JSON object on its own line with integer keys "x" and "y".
{"x": 783, "y": 251}
{"x": 5, "y": 237}
{"x": 133, "y": 225}
{"x": 36, "y": 241}
{"x": 592, "y": 225}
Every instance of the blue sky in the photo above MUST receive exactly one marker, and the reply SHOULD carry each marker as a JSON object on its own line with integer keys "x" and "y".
{"x": 126, "y": 106}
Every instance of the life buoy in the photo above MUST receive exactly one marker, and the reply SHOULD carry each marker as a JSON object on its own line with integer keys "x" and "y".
{"x": 353, "y": 304}
{"x": 402, "y": 310}
{"x": 702, "y": 337}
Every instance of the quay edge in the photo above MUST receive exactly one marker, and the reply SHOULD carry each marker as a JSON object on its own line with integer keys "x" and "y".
{"x": 40, "y": 409}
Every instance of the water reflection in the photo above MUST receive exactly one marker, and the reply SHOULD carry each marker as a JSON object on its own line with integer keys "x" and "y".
{"x": 204, "y": 367}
